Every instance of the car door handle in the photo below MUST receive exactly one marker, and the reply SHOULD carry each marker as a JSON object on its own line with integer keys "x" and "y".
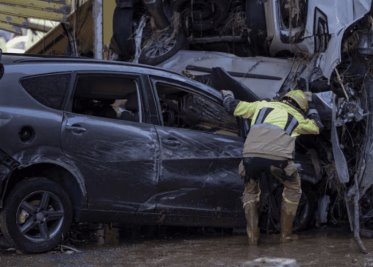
{"x": 76, "y": 128}
{"x": 171, "y": 142}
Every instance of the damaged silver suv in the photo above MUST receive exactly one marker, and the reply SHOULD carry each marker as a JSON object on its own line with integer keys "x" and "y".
{"x": 110, "y": 142}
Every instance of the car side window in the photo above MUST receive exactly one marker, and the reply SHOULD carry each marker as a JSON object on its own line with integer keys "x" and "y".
{"x": 182, "y": 108}
{"x": 49, "y": 90}
{"x": 108, "y": 96}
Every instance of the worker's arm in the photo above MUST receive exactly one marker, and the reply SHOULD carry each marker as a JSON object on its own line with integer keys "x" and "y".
{"x": 245, "y": 109}
{"x": 311, "y": 125}
{"x": 236, "y": 107}
{"x": 308, "y": 126}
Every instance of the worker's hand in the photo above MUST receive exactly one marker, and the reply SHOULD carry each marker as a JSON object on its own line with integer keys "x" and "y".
{"x": 308, "y": 96}
{"x": 313, "y": 114}
{"x": 229, "y": 102}
{"x": 227, "y": 93}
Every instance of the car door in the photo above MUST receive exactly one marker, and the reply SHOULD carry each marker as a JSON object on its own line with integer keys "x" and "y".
{"x": 200, "y": 152}
{"x": 104, "y": 133}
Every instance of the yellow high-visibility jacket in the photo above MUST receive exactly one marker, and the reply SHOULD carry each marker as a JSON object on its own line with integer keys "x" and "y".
{"x": 274, "y": 128}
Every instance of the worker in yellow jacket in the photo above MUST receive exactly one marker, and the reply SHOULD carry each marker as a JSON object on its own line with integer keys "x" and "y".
{"x": 270, "y": 146}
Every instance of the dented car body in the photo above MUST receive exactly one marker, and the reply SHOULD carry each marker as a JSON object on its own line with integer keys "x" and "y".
{"x": 126, "y": 143}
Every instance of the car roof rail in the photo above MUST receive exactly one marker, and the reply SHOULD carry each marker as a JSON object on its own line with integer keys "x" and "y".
{"x": 1, "y": 65}
{"x": 34, "y": 58}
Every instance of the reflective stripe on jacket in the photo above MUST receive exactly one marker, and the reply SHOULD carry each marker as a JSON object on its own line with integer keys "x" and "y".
{"x": 275, "y": 125}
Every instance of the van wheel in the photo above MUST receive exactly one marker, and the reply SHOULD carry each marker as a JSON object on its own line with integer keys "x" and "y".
{"x": 36, "y": 216}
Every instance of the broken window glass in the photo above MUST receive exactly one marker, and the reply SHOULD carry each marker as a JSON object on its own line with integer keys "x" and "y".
{"x": 108, "y": 96}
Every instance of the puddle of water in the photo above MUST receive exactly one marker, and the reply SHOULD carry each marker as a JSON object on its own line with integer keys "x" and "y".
{"x": 328, "y": 247}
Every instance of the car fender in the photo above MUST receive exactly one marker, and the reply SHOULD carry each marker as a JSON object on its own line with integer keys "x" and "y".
{"x": 35, "y": 156}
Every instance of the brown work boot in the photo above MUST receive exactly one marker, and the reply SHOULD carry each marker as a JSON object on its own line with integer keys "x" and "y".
{"x": 288, "y": 212}
{"x": 252, "y": 228}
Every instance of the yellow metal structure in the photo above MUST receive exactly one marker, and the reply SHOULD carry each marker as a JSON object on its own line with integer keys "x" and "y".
{"x": 81, "y": 26}
{"x": 15, "y": 23}
{"x": 56, "y": 41}
{"x": 10, "y": 27}
{"x": 108, "y": 7}
{"x": 38, "y": 4}
{"x": 15, "y": 14}
{"x": 76, "y": 35}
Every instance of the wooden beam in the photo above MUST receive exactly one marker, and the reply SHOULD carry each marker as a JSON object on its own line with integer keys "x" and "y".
{"x": 32, "y": 13}
{"x": 38, "y": 4}
{"x": 13, "y": 19}
{"x": 38, "y": 27}
{"x": 10, "y": 28}
{"x": 23, "y": 23}
{"x": 54, "y": 42}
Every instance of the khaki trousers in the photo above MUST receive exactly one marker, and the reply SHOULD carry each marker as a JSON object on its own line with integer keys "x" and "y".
{"x": 288, "y": 176}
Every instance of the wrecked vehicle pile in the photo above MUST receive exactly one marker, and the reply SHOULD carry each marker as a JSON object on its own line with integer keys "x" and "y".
{"x": 321, "y": 47}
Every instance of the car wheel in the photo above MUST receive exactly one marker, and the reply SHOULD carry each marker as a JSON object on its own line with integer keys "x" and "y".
{"x": 162, "y": 46}
{"x": 122, "y": 42}
{"x": 36, "y": 216}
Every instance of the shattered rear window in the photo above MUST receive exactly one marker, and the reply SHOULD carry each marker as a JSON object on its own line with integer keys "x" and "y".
{"x": 49, "y": 90}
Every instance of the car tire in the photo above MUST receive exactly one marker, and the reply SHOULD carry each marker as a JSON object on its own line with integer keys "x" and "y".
{"x": 122, "y": 42}
{"x": 159, "y": 50}
{"x": 36, "y": 216}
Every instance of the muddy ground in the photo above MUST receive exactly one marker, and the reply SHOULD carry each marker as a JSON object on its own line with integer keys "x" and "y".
{"x": 201, "y": 247}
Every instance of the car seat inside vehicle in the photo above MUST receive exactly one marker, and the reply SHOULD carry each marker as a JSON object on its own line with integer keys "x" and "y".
{"x": 112, "y": 96}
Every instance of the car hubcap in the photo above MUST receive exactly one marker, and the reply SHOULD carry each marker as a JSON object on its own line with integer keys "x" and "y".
{"x": 160, "y": 45}
{"x": 40, "y": 216}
